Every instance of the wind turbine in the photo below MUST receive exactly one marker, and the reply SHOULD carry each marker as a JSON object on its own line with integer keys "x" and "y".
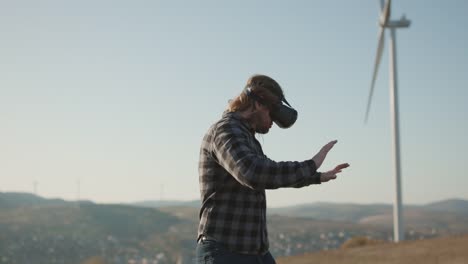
{"x": 392, "y": 25}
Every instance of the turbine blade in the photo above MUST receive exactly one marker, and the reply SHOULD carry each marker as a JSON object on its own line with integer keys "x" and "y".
{"x": 378, "y": 56}
{"x": 385, "y": 15}
{"x": 382, "y": 4}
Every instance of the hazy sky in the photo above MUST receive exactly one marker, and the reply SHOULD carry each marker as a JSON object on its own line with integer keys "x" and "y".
{"x": 118, "y": 94}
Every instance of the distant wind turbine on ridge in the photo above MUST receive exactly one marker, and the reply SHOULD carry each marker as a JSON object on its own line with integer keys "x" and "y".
{"x": 386, "y": 23}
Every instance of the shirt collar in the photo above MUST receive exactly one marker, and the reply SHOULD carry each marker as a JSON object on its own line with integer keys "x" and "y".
{"x": 238, "y": 116}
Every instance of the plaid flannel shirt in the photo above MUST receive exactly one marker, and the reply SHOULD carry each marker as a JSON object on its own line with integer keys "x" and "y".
{"x": 233, "y": 175}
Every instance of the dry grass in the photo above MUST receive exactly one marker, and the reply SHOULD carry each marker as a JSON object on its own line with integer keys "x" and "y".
{"x": 95, "y": 260}
{"x": 357, "y": 242}
{"x": 447, "y": 250}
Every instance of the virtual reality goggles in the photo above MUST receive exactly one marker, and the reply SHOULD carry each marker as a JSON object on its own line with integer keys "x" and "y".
{"x": 281, "y": 113}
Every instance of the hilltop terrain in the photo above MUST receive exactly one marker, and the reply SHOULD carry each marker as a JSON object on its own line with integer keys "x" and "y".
{"x": 59, "y": 231}
{"x": 444, "y": 250}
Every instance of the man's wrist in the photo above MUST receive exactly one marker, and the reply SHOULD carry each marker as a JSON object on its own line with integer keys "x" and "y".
{"x": 317, "y": 178}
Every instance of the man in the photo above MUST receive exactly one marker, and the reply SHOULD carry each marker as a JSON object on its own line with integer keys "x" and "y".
{"x": 234, "y": 174}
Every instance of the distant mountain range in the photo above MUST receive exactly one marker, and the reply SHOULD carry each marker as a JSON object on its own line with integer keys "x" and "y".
{"x": 166, "y": 203}
{"x": 453, "y": 205}
{"x": 358, "y": 212}
{"x": 13, "y": 200}
{"x": 347, "y": 212}
{"x": 45, "y": 229}
{"x": 335, "y": 211}
{"x": 57, "y": 231}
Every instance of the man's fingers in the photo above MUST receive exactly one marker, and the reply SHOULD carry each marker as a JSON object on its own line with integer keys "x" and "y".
{"x": 341, "y": 166}
{"x": 331, "y": 175}
{"x": 329, "y": 145}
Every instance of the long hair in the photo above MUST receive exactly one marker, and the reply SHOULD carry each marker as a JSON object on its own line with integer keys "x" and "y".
{"x": 263, "y": 86}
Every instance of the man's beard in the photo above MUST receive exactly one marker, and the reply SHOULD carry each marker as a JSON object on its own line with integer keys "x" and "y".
{"x": 262, "y": 130}
{"x": 259, "y": 129}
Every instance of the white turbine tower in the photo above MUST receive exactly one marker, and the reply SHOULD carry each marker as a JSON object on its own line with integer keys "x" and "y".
{"x": 392, "y": 25}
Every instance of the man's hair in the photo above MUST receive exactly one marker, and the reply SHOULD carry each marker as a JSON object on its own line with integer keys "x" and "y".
{"x": 262, "y": 86}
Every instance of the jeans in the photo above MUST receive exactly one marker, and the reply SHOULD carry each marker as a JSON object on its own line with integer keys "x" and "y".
{"x": 212, "y": 252}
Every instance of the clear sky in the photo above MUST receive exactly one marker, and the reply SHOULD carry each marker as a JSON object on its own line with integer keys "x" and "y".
{"x": 118, "y": 94}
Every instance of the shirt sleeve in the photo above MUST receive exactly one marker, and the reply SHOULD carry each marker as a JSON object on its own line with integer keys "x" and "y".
{"x": 234, "y": 153}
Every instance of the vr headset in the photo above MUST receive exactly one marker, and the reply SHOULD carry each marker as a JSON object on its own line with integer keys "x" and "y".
{"x": 283, "y": 115}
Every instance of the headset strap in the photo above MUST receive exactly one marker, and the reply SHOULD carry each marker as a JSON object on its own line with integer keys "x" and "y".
{"x": 252, "y": 95}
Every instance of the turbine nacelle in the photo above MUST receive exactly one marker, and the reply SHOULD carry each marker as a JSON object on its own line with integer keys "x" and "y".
{"x": 402, "y": 23}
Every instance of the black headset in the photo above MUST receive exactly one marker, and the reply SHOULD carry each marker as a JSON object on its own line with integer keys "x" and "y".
{"x": 281, "y": 113}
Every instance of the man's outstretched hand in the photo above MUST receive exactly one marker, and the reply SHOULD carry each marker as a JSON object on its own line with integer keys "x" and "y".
{"x": 320, "y": 157}
{"x": 331, "y": 174}
{"x": 322, "y": 154}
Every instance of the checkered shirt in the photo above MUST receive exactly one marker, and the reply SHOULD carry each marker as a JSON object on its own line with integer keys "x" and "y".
{"x": 233, "y": 176}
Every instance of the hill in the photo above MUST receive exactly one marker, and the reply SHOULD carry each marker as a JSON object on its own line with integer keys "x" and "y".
{"x": 333, "y": 211}
{"x": 445, "y": 250}
{"x": 13, "y": 200}
{"x": 54, "y": 230}
{"x": 442, "y": 217}
{"x": 357, "y": 212}
{"x": 452, "y": 205}
{"x": 167, "y": 203}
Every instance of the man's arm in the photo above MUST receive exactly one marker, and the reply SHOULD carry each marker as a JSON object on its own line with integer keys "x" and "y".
{"x": 232, "y": 149}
